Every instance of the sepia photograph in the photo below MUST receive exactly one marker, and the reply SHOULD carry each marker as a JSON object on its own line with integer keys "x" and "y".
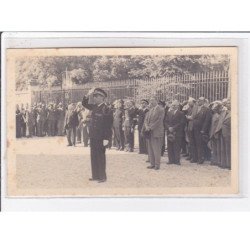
{"x": 144, "y": 122}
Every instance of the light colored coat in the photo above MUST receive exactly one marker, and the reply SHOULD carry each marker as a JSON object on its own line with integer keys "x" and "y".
{"x": 154, "y": 120}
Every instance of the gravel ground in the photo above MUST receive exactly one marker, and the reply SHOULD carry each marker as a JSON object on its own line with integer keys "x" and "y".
{"x": 46, "y": 163}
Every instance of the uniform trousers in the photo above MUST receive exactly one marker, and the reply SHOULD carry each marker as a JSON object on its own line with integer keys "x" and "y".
{"x": 98, "y": 159}
{"x": 154, "y": 150}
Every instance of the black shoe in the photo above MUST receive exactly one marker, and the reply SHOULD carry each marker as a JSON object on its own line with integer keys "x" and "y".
{"x": 170, "y": 163}
{"x": 69, "y": 145}
{"x": 188, "y": 158}
{"x": 193, "y": 161}
{"x": 178, "y": 163}
{"x": 151, "y": 167}
{"x": 91, "y": 179}
{"x": 157, "y": 168}
{"x": 103, "y": 180}
{"x": 147, "y": 161}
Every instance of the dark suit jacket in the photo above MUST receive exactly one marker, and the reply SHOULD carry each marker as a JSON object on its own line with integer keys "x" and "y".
{"x": 129, "y": 119}
{"x": 176, "y": 121}
{"x": 101, "y": 120}
{"x": 71, "y": 119}
{"x": 141, "y": 117}
{"x": 226, "y": 125}
{"x": 202, "y": 120}
{"x": 118, "y": 117}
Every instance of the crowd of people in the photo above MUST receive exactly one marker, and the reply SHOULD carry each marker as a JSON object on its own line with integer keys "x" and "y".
{"x": 195, "y": 129}
{"x": 52, "y": 120}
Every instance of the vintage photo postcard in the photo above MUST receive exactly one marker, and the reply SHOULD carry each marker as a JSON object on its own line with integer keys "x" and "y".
{"x": 113, "y": 122}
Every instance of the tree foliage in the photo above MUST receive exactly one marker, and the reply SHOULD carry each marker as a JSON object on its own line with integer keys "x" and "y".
{"x": 48, "y": 71}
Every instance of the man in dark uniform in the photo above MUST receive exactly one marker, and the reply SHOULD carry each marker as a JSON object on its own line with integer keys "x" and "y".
{"x": 141, "y": 116}
{"x": 100, "y": 130}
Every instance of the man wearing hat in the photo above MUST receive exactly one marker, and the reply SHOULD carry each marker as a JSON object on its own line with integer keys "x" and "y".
{"x": 141, "y": 117}
{"x": 174, "y": 124}
{"x": 100, "y": 130}
{"x": 201, "y": 127}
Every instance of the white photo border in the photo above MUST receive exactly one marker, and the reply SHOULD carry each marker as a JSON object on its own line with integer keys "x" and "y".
{"x": 134, "y": 39}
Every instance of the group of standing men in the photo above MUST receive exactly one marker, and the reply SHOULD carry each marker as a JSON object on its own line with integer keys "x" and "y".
{"x": 197, "y": 128}
{"x": 39, "y": 120}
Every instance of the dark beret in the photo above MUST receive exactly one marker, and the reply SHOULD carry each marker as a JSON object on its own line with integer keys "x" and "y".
{"x": 144, "y": 100}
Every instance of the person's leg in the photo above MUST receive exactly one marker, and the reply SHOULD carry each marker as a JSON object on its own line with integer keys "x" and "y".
{"x": 122, "y": 138}
{"x": 151, "y": 152}
{"x": 126, "y": 135}
{"x": 157, "y": 146}
{"x": 177, "y": 149}
{"x": 213, "y": 151}
{"x": 132, "y": 136}
{"x": 78, "y": 134}
{"x": 69, "y": 131}
{"x": 163, "y": 145}
{"x": 101, "y": 162}
{"x": 193, "y": 146}
{"x": 116, "y": 138}
{"x": 140, "y": 140}
{"x": 200, "y": 146}
{"x": 74, "y": 135}
{"x": 94, "y": 153}
{"x": 170, "y": 152}
{"x": 85, "y": 136}
{"x": 228, "y": 151}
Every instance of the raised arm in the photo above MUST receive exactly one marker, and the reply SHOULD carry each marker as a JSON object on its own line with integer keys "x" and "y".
{"x": 85, "y": 103}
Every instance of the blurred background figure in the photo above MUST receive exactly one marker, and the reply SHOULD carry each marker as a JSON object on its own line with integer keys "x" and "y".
{"x": 70, "y": 124}
{"x": 117, "y": 125}
{"x": 18, "y": 122}
{"x": 142, "y": 111}
{"x": 154, "y": 127}
{"x": 129, "y": 125}
{"x": 174, "y": 124}
{"x": 60, "y": 119}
